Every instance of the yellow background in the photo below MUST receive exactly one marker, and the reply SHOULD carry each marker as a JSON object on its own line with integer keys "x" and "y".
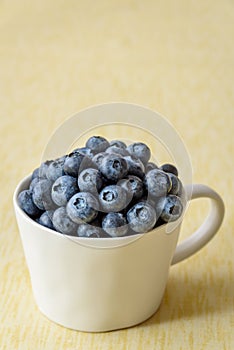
{"x": 176, "y": 57}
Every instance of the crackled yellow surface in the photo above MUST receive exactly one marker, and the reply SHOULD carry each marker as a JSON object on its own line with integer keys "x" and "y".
{"x": 176, "y": 57}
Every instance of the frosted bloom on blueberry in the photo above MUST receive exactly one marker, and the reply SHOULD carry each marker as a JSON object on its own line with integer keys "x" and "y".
{"x": 115, "y": 224}
{"x": 113, "y": 198}
{"x": 55, "y": 169}
{"x": 114, "y": 167}
{"x": 90, "y": 180}
{"x": 82, "y": 207}
{"x": 41, "y": 195}
{"x": 173, "y": 208}
{"x": 141, "y": 217}
{"x": 63, "y": 189}
{"x": 27, "y": 204}
{"x": 140, "y": 150}
{"x": 62, "y": 223}
{"x": 97, "y": 144}
{"x": 158, "y": 183}
{"x": 169, "y": 168}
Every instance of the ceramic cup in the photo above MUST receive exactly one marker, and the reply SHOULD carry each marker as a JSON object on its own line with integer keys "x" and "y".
{"x": 103, "y": 284}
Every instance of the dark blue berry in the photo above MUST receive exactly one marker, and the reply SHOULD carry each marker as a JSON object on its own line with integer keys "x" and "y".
{"x": 135, "y": 166}
{"x": 87, "y": 152}
{"x": 97, "y": 159}
{"x": 97, "y": 144}
{"x": 55, "y": 169}
{"x": 63, "y": 189}
{"x": 62, "y": 223}
{"x": 150, "y": 166}
{"x": 115, "y": 224}
{"x": 133, "y": 185}
{"x": 118, "y": 143}
{"x": 169, "y": 168}
{"x": 90, "y": 180}
{"x": 43, "y": 169}
{"x": 141, "y": 217}
{"x": 117, "y": 150}
{"x": 175, "y": 185}
{"x": 114, "y": 167}
{"x": 113, "y": 198}
{"x": 91, "y": 231}
{"x": 158, "y": 204}
{"x": 82, "y": 207}
{"x": 35, "y": 174}
{"x": 75, "y": 162}
{"x": 140, "y": 150}
{"x": 158, "y": 183}
{"x": 173, "y": 208}
{"x": 33, "y": 183}
{"x": 41, "y": 195}
{"x": 46, "y": 220}
{"x": 27, "y": 205}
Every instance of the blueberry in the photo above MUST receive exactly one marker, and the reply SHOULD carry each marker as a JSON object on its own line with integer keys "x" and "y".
{"x": 169, "y": 168}
{"x": 90, "y": 180}
{"x": 158, "y": 183}
{"x": 50, "y": 213}
{"x": 141, "y": 217}
{"x": 62, "y": 223}
{"x": 33, "y": 183}
{"x": 97, "y": 144}
{"x": 55, "y": 169}
{"x": 150, "y": 166}
{"x": 140, "y": 150}
{"x": 133, "y": 185}
{"x": 158, "y": 204}
{"x": 87, "y": 152}
{"x": 97, "y": 159}
{"x": 89, "y": 230}
{"x": 135, "y": 166}
{"x": 27, "y": 205}
{"x": 175, "y": 183}
{"x": 113, "y": 198}
{"x": 41, "y": 195}
{"x": 63, "y": 189}
{"x": 115, "y": 224}
{"x": 173, "y": 208}
{"x": 35, "y": 174}
{"x": 118, "y": 143}
{"x": 83, "y": 207}
{"x": 75, "y": 162}
{"x": 46, "y": 220}
{"x": 117, "y": 150}
{"x": 114, "y": 167}
{"x": 43, "y": 169}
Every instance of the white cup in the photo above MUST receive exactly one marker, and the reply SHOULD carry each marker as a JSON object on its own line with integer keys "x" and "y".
{"x": 102, "y": 284}
{"x": 100, "y": 288}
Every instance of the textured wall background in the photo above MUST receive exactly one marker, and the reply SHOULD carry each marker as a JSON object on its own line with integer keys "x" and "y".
{"x": 177, "y": 57}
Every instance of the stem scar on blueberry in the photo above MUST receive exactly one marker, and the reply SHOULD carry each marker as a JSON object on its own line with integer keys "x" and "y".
{"x": 108, "y": 196}
{"x": 58, "y": 188}
{"x": 116, "y": 164}
{"x": 79, "y": 203}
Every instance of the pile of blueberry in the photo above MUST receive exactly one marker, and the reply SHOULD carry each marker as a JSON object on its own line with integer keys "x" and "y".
{"x": 105, "y": 189}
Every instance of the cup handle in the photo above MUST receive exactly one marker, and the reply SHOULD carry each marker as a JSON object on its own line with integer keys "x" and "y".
{"x": 209, "y": 227}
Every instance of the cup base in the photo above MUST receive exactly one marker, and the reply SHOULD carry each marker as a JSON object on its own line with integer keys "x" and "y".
{"x": 99, "y": 329}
